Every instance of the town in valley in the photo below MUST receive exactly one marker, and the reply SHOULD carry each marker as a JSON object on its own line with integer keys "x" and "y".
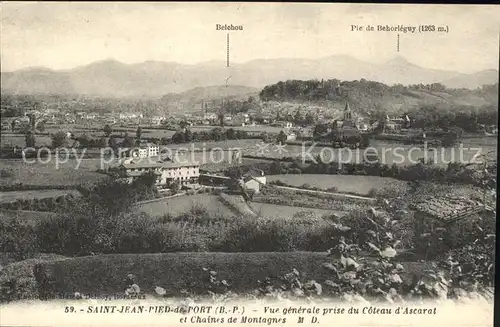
{"x": 297, "y": 172}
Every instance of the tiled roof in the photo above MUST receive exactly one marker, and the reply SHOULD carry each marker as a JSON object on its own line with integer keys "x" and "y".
{"x": 145, "y": 163}
{"x": 449, "y": 209}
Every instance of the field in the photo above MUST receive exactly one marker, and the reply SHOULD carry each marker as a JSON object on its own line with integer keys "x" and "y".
{"x": 288, "y": 212}
{"x": 225, "y": 145}
{"x": 50, "y": 173}
{"x": 344, "y": 183}
{"x": 388, "y": 152}
{"x": 182, "y": 204}
{"x": 214, "y": 205}
{"x": 34, "y": 194}
{"x": 20, "y": 141}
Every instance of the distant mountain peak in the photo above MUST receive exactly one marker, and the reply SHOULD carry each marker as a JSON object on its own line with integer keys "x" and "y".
{"x": 398, "y": 60}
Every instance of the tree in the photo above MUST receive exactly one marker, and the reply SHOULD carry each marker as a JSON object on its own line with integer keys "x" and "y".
{"x": 188, "y": 135}
{"x": 138, "y": 133}
{"x": 230, "y": 134}
{"x": 112, "y": 143}
{"x": 40, "y": 127}
{"x": 221, "y": 119}
{"x": 102, "y": 142}
{"x": 178, "y": 137}
{"x": 309, "y": 119}
{"x": 128, "y": 142}
{"x": 281, "y": 139}
{"x": 297, "y": 118}
{"x": 107, "y": 130}
{"x": 320, "y": 130}
{"x": 58, "y": 139}
{"x": 30, "y": 139}
{"x": 175, "y": 186}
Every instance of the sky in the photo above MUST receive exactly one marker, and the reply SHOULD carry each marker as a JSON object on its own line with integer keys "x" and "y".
{"x": 65, "y": 35}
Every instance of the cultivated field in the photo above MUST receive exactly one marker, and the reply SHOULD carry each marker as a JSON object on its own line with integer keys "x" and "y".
{"x": 288, "y": 212}
{"x": 34, "y": 194}
{"x": 69, "y": 173}
{"x": 179, "y": 205}
{"x": 254, "y": 129}
{"x": 344, "y": 183}
{"x": 20, "y": 140}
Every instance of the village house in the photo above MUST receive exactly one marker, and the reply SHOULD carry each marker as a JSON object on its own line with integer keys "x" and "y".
{"x": 291, "y": 136}
{"x": 396, "y": 123}
{"x": 167, "y": 172}
{"x": 253, "y": 181}
{"x": 210, "y": 116}
{"x": 143, "y": 150}
{"x": 283, "y": 124}
{"x": 156, "y": 120}
{"x": 129, "y": 115}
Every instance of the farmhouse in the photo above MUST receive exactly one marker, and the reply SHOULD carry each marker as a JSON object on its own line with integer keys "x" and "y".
{"x": 253, "y": 180}
{"x": 167, "y": 172}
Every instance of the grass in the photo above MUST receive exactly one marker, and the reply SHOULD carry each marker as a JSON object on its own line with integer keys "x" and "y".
{"x": 68, "y": 173}
{"x": 182, "y": 204}
{"x": 344, "y": 183}
{"x": 19, "y": 140}
{"x": 104, "y": 274}
{"x": 287, "y": 212}
{"x": 34, "y": 194}
{"x": 227, "y": 144}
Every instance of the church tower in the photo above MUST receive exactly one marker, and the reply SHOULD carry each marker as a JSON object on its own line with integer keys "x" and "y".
{"x": 347, "y": 112}
{"x": 348, "y": 116}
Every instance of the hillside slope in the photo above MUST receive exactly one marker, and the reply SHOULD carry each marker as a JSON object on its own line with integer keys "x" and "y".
{"x": 368, "y": 96}
{"x": 156, "y": 78}
{"x": 212, "y": 95}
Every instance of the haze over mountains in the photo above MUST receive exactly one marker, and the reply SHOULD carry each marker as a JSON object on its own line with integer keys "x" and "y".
{"x": 156, "y": 78}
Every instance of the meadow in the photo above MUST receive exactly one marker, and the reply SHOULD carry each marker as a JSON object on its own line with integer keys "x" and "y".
{"x": 34, "y": 194}
{"x": 179, "y": 205}
{"x": 70, "y": 173}
{"x": 343, "y": 183}
{"x": 388, "y": 152}
{"x": 277, "y": 211}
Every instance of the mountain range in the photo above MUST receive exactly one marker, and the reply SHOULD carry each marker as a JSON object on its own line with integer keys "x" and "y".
{"x": 156, "y": 78}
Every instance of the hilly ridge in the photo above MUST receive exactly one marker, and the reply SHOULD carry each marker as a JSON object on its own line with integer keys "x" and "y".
{"x": 156, "y": 78}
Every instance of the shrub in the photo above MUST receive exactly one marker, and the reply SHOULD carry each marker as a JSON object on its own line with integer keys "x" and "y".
{"x": 17, "y": 238}
{"x": 5, "y": 173}
{"x": 372, "y": 193}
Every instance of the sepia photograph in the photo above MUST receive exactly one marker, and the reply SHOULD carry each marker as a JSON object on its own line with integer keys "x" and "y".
{"x": 213, "y": 163}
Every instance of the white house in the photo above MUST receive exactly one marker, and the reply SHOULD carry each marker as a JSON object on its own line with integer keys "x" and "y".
{"x": 254, "y": 180}
{"x": 166, "y": 171}
{"x": 291, "y": 136}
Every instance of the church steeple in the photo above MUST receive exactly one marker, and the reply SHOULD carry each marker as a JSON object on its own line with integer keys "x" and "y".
{"x": 347, "y": 111}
